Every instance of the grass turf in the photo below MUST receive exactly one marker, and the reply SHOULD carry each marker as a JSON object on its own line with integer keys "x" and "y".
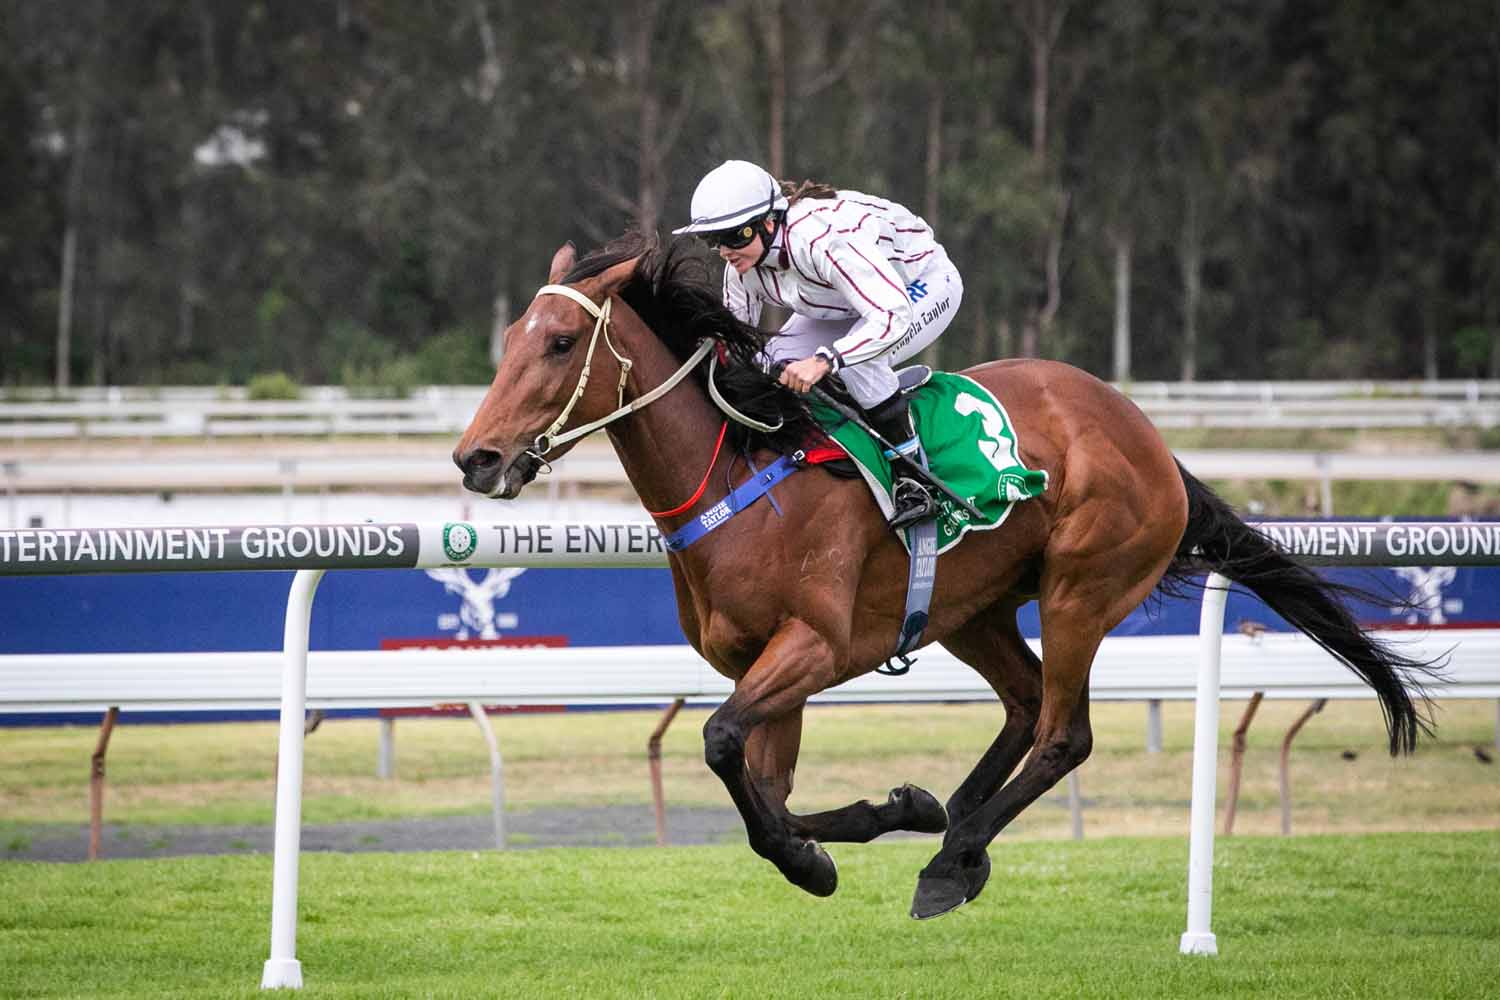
{"x": 223, "y": 774}
{"x": 1383, "y": 914}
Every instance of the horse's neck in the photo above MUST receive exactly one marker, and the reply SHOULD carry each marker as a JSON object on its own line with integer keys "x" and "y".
{"x": 665, "y": 448}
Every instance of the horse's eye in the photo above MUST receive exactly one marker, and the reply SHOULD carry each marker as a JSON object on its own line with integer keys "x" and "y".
{"x": 560, "y": 345}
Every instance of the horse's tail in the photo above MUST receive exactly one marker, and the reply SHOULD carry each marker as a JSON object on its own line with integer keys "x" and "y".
{"x": 1216, "y": 539}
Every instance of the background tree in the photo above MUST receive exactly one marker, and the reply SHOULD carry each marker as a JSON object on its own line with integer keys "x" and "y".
{"x": 362, "y": 191}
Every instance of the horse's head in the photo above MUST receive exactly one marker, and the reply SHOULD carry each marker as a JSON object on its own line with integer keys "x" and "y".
{"x": 540, "y": 388}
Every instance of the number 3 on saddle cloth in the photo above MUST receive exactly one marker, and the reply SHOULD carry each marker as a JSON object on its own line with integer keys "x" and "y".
{"x": 969, "y": 443}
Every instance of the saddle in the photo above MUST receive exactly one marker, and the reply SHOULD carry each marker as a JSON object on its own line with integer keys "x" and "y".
{"x": 969, "y": 442}
{"x": 825, "y": 451}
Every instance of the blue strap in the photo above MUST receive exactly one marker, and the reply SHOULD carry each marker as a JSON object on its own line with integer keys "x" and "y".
{"x": 743, "y": 496}
{"x": 770, "y": 497}
{"x": 921, "y": 543}
{"x": 922, "y": 539}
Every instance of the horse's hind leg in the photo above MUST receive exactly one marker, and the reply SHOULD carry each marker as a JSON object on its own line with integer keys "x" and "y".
{"x": 1082, "y": 598}
{"x": 771, "y": 759}
{"x": 1063, "y": 740}
{"x": 992, "y": 644}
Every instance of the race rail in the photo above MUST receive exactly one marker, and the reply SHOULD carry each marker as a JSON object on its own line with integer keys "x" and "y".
{"x": 1318, "y": 543}
{"x": 311, "y": 550}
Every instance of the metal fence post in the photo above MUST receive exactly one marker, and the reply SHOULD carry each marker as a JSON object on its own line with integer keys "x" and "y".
{"x": 1198, "y": 939}
{"x": 282, "y": 969}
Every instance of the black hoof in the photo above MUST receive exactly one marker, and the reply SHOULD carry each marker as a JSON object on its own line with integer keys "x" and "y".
{"x": 976, "y": 877}
{"x": 920, "y": 812}
{"x": 811, "y": 869}
{"x": 937, "y": 895}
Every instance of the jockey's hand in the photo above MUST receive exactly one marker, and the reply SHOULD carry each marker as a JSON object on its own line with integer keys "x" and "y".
{"x": 801, "y": 376}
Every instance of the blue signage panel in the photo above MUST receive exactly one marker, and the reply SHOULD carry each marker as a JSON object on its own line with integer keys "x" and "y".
{"x": 368, "y": 609}
{"x": 354, "y": 609}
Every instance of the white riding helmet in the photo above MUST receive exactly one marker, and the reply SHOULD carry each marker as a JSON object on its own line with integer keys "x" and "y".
{"x": 735, "y": 191}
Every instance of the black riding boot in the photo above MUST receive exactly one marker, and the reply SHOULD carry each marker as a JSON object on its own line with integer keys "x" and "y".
{"x": 913, "y": 499}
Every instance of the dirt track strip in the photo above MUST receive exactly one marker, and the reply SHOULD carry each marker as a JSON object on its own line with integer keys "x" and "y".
{"x": 605, "y": 826}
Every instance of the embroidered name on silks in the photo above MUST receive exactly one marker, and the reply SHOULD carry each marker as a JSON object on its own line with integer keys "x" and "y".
{"x": 743, "y": 496}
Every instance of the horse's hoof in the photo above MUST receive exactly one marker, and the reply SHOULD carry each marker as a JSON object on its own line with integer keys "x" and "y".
{"x": 976, "y": 877}
{"x": 813, "y": 870}
{"x": 920, "y": 812}
{"x": 937, "y": 895}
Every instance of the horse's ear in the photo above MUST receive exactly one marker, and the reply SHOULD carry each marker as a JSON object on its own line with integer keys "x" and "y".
{"x": 612, "y": 279}
{"x": 562, "y": 262}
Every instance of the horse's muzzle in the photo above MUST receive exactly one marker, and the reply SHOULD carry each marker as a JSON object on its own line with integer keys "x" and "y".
{"x": 482, "y": 468}
{"x": 486, "y": 471}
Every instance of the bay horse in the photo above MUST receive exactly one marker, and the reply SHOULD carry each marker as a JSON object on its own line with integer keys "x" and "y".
{"x": 791, "y": 598}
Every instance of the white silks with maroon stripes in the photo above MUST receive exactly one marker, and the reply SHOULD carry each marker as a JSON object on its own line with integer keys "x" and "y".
{"x": 853, "y": 258}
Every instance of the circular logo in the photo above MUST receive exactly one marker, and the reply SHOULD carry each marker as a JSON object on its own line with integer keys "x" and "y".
{"x": 459, "y": 541}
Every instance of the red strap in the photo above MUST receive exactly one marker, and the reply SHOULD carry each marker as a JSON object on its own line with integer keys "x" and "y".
{"x": 827, "y": 453}
{"x": 701, "y": 486}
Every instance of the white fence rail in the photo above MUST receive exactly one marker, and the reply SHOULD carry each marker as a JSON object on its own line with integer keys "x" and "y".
{"x": 1471, "y": 390}
{"x": 197, "y": 412}
{"x": 436, "y": 410}
{"x": 598, "y": 467}
{"x": 1127, "y": 668}
{"x": 1467, "y": 390}
{"x": 311, "y": 549}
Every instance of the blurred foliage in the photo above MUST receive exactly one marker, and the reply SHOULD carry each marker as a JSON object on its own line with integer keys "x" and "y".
{"x": 456, "y": 357}
{"x": 355, "y": 192}
{"x": 273, "y": 385}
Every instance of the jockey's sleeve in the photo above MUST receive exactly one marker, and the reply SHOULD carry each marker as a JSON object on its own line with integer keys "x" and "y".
{"x": 871, "y": 287}
{"x": 738, "y": 300}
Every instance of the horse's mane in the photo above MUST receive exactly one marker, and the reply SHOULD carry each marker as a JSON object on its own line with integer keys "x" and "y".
{"x": 673, "y": 293}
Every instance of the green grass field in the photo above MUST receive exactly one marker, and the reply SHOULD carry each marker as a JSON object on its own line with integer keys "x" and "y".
{"x": 1344, "y": 912}
{"x": 223, "y": 774}
{"x": 1390, "y": 915}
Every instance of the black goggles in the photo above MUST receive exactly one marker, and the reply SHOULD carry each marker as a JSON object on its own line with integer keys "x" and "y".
{"x": 732, "y": 239}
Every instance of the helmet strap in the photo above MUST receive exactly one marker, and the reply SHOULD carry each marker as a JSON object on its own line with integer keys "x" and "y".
{"x": 766, "y": 236}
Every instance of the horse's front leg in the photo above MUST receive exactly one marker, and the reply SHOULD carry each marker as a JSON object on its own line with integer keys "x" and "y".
{"x": 771, "y": 758}
{"x": 797, "y": 663}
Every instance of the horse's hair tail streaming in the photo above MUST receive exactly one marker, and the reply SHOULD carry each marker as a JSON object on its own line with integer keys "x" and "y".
{"x": 1217, "y": 539}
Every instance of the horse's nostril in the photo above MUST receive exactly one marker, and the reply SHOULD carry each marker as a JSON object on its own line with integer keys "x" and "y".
{"x": 478, "y": 460}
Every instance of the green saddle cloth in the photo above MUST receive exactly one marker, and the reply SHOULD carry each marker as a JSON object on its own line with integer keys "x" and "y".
{"x": 970, "y": 445}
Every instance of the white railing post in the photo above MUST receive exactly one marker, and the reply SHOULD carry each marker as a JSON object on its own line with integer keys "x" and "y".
{"x": 385, "y": 760}
{"x": 497, "y": 773}
{"x": 282, "y": 969}
{"x": 1198, "y": 939}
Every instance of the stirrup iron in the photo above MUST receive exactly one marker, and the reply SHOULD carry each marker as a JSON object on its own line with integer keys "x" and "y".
{"x": 913, "y": 503}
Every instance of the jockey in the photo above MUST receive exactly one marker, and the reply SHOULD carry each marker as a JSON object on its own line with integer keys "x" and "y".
{"x": 867, "y": 284}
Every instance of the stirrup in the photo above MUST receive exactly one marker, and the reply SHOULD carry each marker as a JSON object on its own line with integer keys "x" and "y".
{"x": 914, "y": 503}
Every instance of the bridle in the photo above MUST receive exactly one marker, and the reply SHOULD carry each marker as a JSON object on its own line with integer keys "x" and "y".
{"x": 550, "y": 439}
